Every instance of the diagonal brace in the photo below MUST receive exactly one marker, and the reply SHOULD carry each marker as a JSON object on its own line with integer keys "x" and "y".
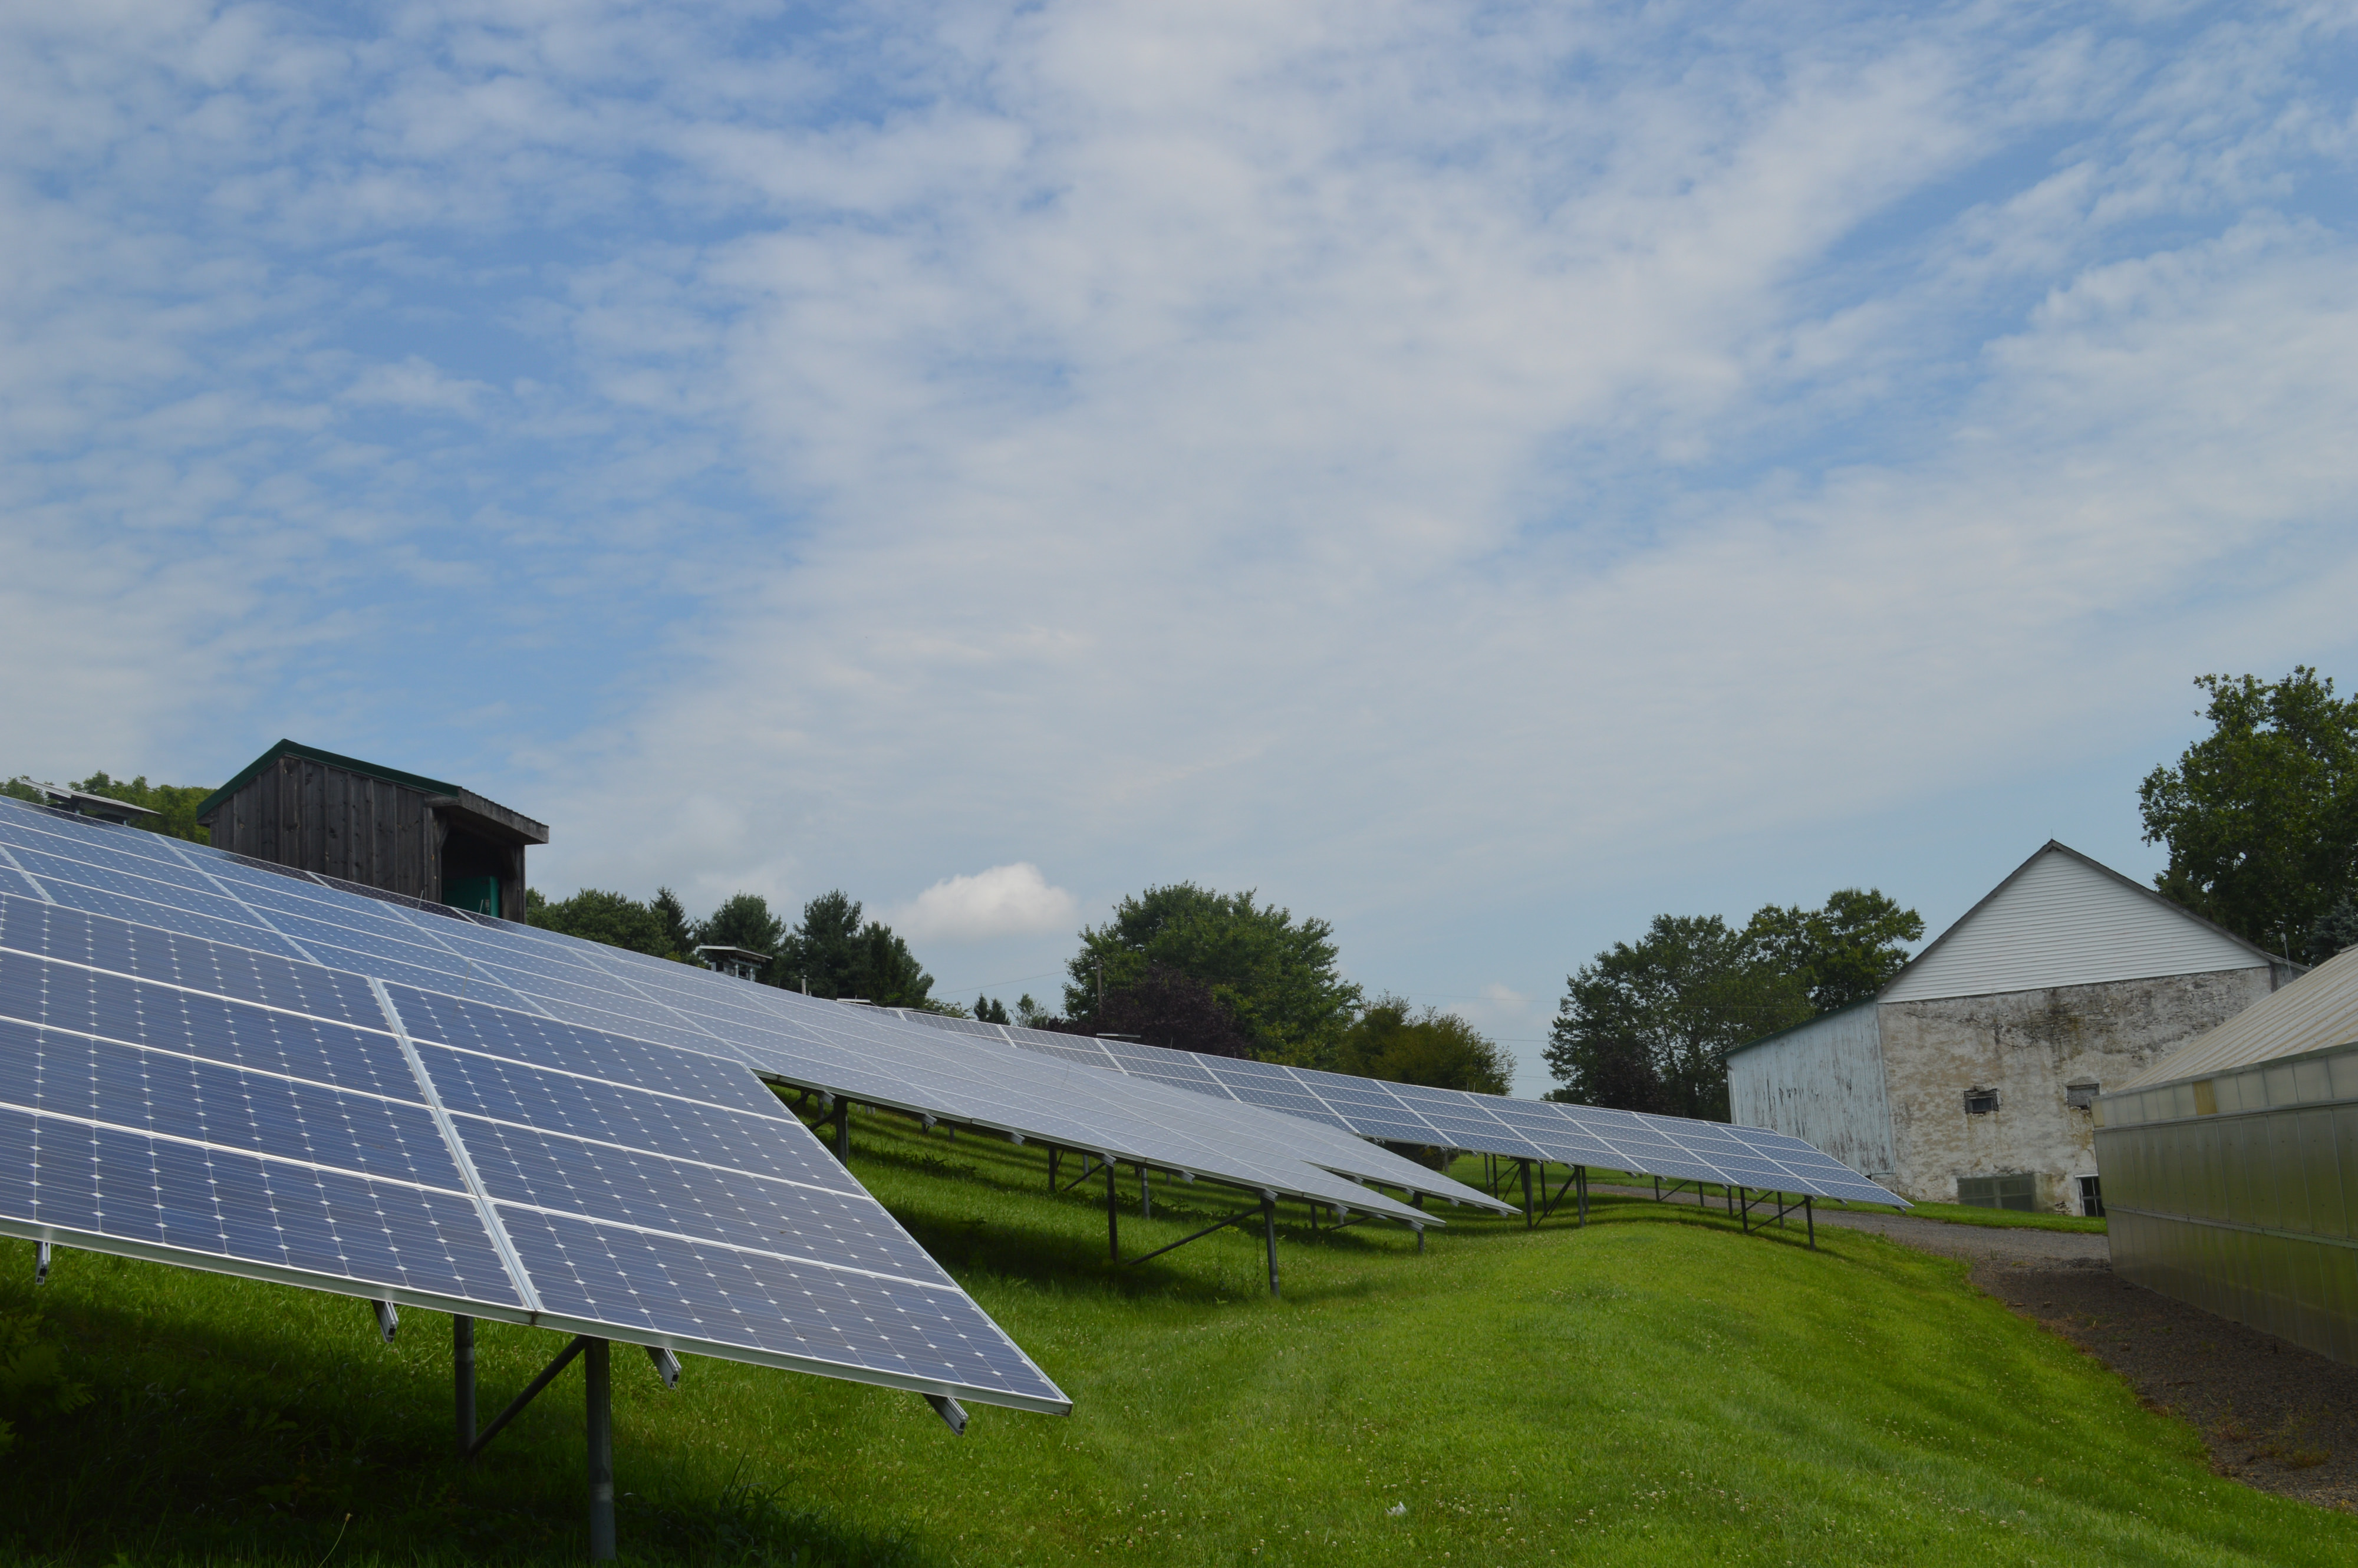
{"x": 1252, "y": 1213}
{"x": 531, "y": 1390}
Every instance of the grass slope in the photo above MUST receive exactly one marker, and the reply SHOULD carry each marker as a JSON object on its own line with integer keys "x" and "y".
{"x": 1657, "y": 1388}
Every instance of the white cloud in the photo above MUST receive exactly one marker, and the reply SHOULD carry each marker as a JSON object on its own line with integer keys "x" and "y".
{"x": 1414, "y": 460}
{"x": 1005, "y": 900}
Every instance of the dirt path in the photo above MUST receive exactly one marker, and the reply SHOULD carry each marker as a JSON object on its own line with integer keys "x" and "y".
{"x": 2276, "y": 1417}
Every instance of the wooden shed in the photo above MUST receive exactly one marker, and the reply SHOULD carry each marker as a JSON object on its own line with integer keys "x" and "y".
{"x": 314, "y": 811}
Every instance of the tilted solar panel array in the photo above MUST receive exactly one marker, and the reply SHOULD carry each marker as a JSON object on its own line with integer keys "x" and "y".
{"x": 202, "y": 1062}
{"x": 850, "y": 1052}
{"x": 1322, "y": 1143}
{"x": 1675, "y": 1147}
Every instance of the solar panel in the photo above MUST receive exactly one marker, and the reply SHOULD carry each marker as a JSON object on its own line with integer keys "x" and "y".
{"x": 235, "y": 1106}
{"x": 1329, "y": 1146}
{"x": 1643, "y": 1144}
{"x": 851, "y": 1053}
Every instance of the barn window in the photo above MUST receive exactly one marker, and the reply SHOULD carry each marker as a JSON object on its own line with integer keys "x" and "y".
{"x": 2091, "y": 1197}
{"x": 2081, "y": 1095}
{"x": 2018, "y": 1191}
{"x": 1980, "y": 1102}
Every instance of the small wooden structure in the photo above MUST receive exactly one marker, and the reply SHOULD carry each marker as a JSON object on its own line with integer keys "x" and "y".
{"x": 313, "y": 810}
{"x": 744, "y": 963}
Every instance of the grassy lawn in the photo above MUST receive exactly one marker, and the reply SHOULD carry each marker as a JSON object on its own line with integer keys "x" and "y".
{"x": 1657, "y": 1388}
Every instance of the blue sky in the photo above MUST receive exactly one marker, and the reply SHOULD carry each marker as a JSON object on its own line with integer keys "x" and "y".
{"x": 1480, "y": 474}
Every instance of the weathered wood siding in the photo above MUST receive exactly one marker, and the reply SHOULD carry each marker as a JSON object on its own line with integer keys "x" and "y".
{"x": 305, "y": 814}
{"x": 1822, "y": 1083}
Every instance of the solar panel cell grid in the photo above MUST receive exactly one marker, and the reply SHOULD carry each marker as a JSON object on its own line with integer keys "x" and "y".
{"x": 177, "y": 1097}
{"x": 210, "y": 927}
{"x": 107, "y": 1182}
{"x": 588, "y": 1108}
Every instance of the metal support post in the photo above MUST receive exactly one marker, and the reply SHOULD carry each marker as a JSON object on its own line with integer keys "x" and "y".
{"x": 597, "y": 1363}
{"x": 1583, "y": 1172}
{"x": 1052, "y": 1152}
{"x": 1809, "y": 1217}
{"x": 1528, "y": 1220}
{"x": 462, "y": 1379}
{"x": 1420, "y": 1241}
{"x": 1113, "y": 1218}
{"x": 843, "y": 1131}
{"x": 40, "y": 1263}
{"x": 1269, "y": 1233}
{"x": 1145, "y": 1196}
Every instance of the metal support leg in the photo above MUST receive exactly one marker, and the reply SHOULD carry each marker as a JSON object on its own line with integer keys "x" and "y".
{"x": 462, "y": 1379}
{"x": 1145, "y": 1196}
{"x": 1420, "y": 1241}
{"x": 1810, "y": 1217}
{"x": 40, "y": 1263}
{"x": 1113, "y": 1218}
{"x": 1052, "y": 1152}
{"x": 597, "y": 1360}
{"x": 1528, "y": 1220}
{"x": 1581, "y": 1172}
{"x": 1269, "y": 1233}
{"x": 843, "y": 1131}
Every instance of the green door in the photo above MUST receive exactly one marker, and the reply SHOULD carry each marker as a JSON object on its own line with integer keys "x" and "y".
{"x": 480, "y": 894}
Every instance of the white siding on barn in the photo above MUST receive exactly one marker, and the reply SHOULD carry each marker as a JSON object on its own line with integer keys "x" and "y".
{"x": 2064, "y": 920}
{"x": 1822, "y": 1082}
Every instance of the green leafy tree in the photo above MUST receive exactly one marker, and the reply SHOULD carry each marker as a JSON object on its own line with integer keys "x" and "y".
{"x": 174, "y": 805}
{"x": 745, "y": 921}
{"x": 596, "y": 915}
{"x": 839, "y": 955}
{"x": 1164, "y": 1006}
{"x": 1648, "y": 1026}
{"x": 2260, "y": 816}
{"x": 1277, "y": 978}
{"x": 990, "y": 1012}
{"x": 1841, "y": 953}
{"x": 1392, "y": 1040}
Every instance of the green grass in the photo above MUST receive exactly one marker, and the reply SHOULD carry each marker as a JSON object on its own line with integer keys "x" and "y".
{"x": 1657, "y": 1388}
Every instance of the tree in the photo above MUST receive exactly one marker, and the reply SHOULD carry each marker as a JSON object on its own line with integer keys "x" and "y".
{"x": 1165, "y": 1007}
{"x": 837, "y": 957}
{"x": 176, "y": 805}
{"x": 1276, "y": 977}
{"x": 1844, "y": 953}
{"x": 596, "y": 915}
{"x": 674, "y": 915}
{"x": 1391, "y": 1040}
{"x": 990, "y": 1012}
{"x": 1649, "y": 1027}
{"x": 2261, "y": 816}
{"x": 745, "y": 921}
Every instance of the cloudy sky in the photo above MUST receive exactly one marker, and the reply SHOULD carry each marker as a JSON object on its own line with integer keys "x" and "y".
{"x": 1478, "y": 475}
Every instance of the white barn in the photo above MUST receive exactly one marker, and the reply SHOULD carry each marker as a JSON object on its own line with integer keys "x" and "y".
{"x": 1971, "y": 1077}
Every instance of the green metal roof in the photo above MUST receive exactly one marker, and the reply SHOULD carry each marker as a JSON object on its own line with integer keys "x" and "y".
{"x": 350, "y": 764}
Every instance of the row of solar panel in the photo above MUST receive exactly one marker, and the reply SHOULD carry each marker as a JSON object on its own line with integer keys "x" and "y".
{"x": 863, "y": 1056}
{"x": 1675, "y": 1147}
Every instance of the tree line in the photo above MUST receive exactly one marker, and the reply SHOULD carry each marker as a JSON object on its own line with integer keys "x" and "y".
{"x": 2259, "y": 818}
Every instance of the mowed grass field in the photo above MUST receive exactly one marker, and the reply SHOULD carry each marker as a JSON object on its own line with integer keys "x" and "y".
{"x": 1656, "y": 1389}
